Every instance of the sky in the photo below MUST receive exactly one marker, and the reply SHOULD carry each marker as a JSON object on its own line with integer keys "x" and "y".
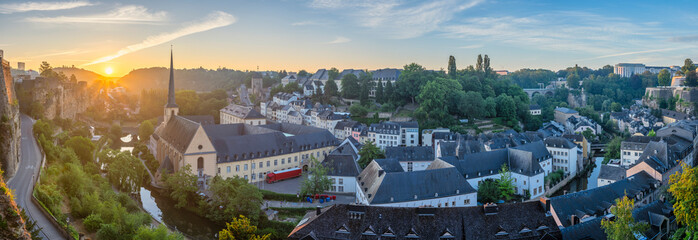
{"x": 361, "y": 34}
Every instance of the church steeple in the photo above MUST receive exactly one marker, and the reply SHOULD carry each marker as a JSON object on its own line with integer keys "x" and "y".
{"x": 171, "y": 91}
{"x": 171, "y": 108}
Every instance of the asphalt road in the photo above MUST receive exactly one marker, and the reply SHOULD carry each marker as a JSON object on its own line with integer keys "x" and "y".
{"x": 22, "y": 182}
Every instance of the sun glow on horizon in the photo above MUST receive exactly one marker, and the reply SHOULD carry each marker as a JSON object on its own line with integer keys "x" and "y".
{"x": 108, "y": 70}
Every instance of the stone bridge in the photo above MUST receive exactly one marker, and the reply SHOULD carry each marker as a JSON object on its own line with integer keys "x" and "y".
{"x": 548, "y": 92}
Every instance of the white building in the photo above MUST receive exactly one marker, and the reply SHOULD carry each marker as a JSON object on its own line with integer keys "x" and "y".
{"x": 383, "y": 183}
{"x": 343, "y": 167}
{"x": 565, "y": 154}
{"x": 234, "y": 113}
{"x": 427, "y": 135}
{"x": 528, "y": 164}
{"x": 609, "y": 174}
{"x": 628, "y": 69}
{"x": 393, "y": 134}
{"x": 632, "y": 148}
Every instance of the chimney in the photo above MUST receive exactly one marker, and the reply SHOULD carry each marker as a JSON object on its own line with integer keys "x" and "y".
{"x": 491, "y": 209}
{"x": 318, "y": 210}
{"x": 574, "y": 220}
{"x": 546, "y": 203}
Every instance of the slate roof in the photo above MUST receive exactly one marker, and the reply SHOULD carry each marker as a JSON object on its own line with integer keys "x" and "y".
{"x": 235, "y": 142}
{"x": 594, "y": 202}
{"x": 389, "y": 165}
{"x": 574, "y": 137}
{"x": 534, "y": 107}
{"x": 179, "y": 132}
{"x": 321, "y": 74}
{"x": 416, "y": 153}
{"x": 345, "y": 148}
{"x": 609, "y": 172}
{"x": 390, "y": 74}
{"x": 201, "y": 119}
{"x": 565, "y": 110}
{"x": 674, "y": 114}
{"x": 341, "y": 165}
{"x": 242, "y": 112}
{"x": 489, "y": 163}
{"x": 342, "y": 221}
{"x": 559, "y": 142}
{"x": 345, "y": 123}
{"x": 383, "y": 186}
{"x": 589, "y": 230}
{"x": 655, "y": 214}
{"x": 356, "y": 73}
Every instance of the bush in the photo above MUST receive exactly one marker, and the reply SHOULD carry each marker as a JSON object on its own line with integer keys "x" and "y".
{"x": 269, "y": 195}
{"x": 93, "y": 222}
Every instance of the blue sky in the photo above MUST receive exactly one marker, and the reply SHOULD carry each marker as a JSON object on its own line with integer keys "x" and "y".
{"x": 369, "y": 34}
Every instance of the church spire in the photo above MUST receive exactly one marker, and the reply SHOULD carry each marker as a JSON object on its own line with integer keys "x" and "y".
{"x": 171, "y": 92}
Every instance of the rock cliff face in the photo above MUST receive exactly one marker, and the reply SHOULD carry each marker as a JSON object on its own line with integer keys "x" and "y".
{"x": 685, "y": 97}
{"x": 58, "y": 99}
{"x": 9, "y": 122}
{"x": 11, "y": 224}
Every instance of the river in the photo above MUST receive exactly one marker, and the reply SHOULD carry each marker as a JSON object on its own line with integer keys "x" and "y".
{"x": 583, "y": 183}
{"x": 162, "y": 209}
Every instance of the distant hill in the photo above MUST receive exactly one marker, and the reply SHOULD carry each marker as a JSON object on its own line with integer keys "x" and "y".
{"x": 82, "y": 74}
{"x": 195, "y": 79}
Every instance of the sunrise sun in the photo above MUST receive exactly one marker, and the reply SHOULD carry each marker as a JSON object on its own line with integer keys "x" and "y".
{"x": 108, "y": 71}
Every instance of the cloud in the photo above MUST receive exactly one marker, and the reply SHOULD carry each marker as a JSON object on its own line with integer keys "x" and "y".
{"x": 395, "y": 18}
{"x": 692, "y": 38}
{"x": 123, "y": 15}
{"x": 215, "y": 20}
{"x": 41, "y": 6}
{"x": 338, "y": 40}
{"x": 306, "y": 23}
{"x": 471, "y": 46}
{"x": 560, "y": 31}
{"x": 634, "y": 53}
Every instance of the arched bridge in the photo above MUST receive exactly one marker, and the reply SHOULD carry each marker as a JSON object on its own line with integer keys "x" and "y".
{"x": 544, "y": 91}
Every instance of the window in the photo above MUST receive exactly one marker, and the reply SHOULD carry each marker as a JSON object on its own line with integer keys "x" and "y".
{"x": 333, "y": 180}
{"x": 261, "y": 175}
{"x": 253, "y": 176}
{"x": 228, "y": 169}
{"x": 219, "y": 170}
{"x": 341, "y": 181}
{"x": 245, "y": 177}
{"x": 275, "y": 162}
{"x": 466, "y": 201}
{"x": 334, "y": 188}
{"x": 261, "y": 164}
{"x": 237, "y": 168}
{"x": 268, "y": 164}
{"x": 524, "y": 182}
{"x": 253, "y": 165}
{"x": 295, "y": 159}
{"x": 282, "y": 161}
{"x": 340, "y": 188}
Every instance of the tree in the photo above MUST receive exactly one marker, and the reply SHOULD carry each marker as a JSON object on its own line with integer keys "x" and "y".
{"x": 366, "y": 83}
{"x": 624, "y": 226}
{"x": 82, "y": 147}
{"x": 232, "y": 197}
{"x": 145, "y": 130}
{"x": 389, "y": 91}
{"x": 357, "y": 110}
{"x": 687, "y": 66}
{"x": 369, "y": 152}
{"x": 332, "y": 74}
{"x": 652, "y": 133}
{"x": 331, "y": 89}
{"x": 115, "y": 135}
{"x": 380, "y": 96}
{"x": 316, "y": 181}
{"x": 240, "y": 229}
{"x": 302, "y": 73}
{"x": 683, "y": 186}
{"x": 478, "y": 65}
{"x": 488, "y": 191}
{"x": 125, "y": 172}
{"x": 616, "y": 107}
{"x": 45, "y": 70}
{"x": 573, "y": 81}
{"x": 472, "y": 105}
{"x": 506, "y": 107}
{"x": 612, "y": 150}
{"x": 691, "y": 78}
{"x": 158, "y": 233}
{"x": 452, "y": 66}
{"x": 506, "y": 183}
{"x": 664, "y": 78}
{"x": 486, "y": 66}
{"x": 182, "y": 186}
{"x": 73, "y": 79}
{"x": 350, "y": 86}
{"x": 411, "y": 81}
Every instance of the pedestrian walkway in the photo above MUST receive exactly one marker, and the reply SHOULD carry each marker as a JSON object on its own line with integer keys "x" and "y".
{"x": 341, "y": 199}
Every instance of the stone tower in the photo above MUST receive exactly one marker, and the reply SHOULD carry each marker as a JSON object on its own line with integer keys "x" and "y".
{"x": 171, "y": 108}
